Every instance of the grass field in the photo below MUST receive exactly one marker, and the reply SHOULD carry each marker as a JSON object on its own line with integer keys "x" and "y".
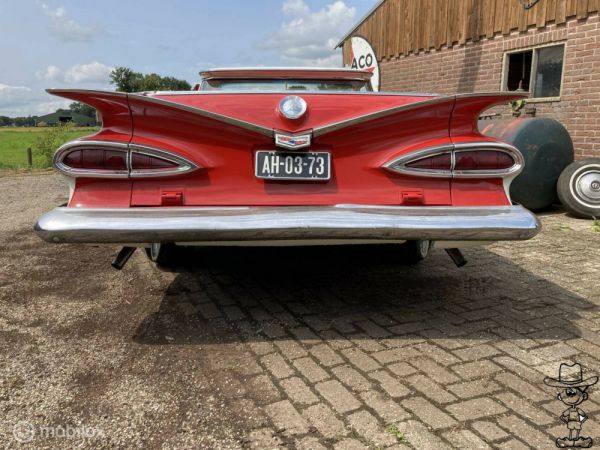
{"x": 15, "y": 141}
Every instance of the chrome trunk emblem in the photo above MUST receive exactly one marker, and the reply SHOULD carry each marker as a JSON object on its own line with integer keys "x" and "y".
{"x": 292, "y": 141}
{"x": 292, "y": 107}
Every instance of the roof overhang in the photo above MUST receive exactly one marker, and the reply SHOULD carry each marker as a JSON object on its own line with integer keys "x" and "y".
{"x": 359, "y": 23}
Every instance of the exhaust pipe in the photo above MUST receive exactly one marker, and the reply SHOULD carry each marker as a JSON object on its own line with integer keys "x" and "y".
{"x": 122, "y": 257}
{"x": 456, "y": 256}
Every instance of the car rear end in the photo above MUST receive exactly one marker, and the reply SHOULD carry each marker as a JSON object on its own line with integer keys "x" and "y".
{"x": 291, "y": 168}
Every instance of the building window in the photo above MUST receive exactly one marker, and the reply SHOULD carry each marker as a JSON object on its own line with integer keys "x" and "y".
{"x": 537, "y": 70}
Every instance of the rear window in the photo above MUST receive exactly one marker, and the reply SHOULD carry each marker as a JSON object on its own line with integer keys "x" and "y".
{"x": 231, "y": 84}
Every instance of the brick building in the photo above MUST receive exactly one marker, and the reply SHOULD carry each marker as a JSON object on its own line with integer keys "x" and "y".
{"x": 550, "y": 48}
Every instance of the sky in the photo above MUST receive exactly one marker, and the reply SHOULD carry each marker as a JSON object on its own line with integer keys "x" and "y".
{"x": 70, "y": 43}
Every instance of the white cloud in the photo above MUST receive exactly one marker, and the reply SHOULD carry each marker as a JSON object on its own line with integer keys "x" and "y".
{"x": 23, "y": 101}
{"x": 50, "y": 73}
{"x": 67, "y": 29}
{"x": 308, "y": 37}
{"x": 295, "y": 8}
{"x": 93, "y": 72}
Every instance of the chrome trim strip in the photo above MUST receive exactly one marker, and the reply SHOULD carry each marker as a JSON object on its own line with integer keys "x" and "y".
{"x": 60, "y": 91}
{"x": 485, "y": 145}
{"x": 246, "y": 92}
{"x": 318, "y": 131}
{"x": 324, "y": 129}
{"x": 184, "y": 165}
{"x": 397, "y": 165}
{"x": 267, "y": 131}
{"x": 63, "y": 150}
{"x": 350, "y": 222}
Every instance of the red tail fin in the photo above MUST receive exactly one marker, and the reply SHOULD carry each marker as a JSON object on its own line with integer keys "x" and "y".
{"x": 468, "y": 107}
{"x": 113, "y": 107}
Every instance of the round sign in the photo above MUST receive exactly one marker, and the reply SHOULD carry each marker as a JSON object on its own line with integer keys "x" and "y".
{"x": 363, "y": 58}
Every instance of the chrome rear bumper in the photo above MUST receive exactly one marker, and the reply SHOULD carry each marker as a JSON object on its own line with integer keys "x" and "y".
{"x": 305, "y": 223}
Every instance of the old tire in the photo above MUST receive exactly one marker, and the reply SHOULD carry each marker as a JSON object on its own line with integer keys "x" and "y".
{"x": 413, "y": 252}
{"x": 165, "y": 255}
{"x": 579, "y": 188}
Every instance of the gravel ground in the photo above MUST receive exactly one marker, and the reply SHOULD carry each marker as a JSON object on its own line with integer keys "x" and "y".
{"x": 69, "y": 355}
{"x": 289, "y": 348}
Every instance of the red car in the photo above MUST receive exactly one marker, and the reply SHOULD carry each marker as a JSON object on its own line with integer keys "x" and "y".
{"x": 287, "y": 157}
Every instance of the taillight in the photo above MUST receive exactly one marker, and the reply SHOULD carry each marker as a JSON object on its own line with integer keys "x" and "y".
{"x": 482, "y": 160}
{"x": 100, "y": 159}
{"x": 437, "y": 162}
{"x": 147, "y": 162}
{"x": 463, "y": 160}
{"x": 96, "y": 159}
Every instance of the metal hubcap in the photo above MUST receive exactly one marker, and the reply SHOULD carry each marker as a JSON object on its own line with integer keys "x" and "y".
{"x": 154, "y": 250}
{"x": 588, "y": 186}
{"x": 424, "y": 247}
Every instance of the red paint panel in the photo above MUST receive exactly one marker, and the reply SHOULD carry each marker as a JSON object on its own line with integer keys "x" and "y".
{"x": 226, "y": 155}
{"x": 262, "y": 109}
{"x": 467, "y": 110}
{"x": 226, "y": 152}
{"x": 473, "y": 192}
{"x": 101, "y": 193}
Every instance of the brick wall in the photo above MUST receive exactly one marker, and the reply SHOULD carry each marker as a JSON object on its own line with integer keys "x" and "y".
{"x": 478, "y": 67}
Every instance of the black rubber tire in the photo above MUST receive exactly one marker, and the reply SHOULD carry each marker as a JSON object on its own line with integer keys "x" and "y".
{"x": 579, "y": 188}
{"x": 413, "y": 252}
{"x": 164, "y": 255}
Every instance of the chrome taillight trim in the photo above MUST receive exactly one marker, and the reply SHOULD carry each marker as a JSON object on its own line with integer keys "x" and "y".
{"x": 516, "y": 155}
{"x": 398, "y": 165}
{"x": 184, "y": 165}
{"x": 64, "y": 150}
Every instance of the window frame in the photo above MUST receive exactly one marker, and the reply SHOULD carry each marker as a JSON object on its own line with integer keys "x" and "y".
{"x": 532, "y": 75}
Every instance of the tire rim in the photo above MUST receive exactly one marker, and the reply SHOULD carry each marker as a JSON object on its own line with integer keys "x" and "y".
{"x": 585, "y": 185}
{"x": 423, "y": 248}
{"x": 154, "y": 250}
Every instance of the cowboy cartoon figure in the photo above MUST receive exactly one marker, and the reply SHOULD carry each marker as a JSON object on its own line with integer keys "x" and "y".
{"x": 572, "y": 392}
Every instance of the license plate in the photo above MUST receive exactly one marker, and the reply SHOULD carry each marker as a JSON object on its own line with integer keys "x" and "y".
{"x": 293, "y": 165}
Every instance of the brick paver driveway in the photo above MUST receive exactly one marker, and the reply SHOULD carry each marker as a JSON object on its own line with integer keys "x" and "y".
{"x": 341, "y": 347}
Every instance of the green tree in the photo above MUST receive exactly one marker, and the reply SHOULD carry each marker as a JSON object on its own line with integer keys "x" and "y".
{"x": 82, "y": 108}
{"x": 126, "y": 80}
{"x": 5, "y": 121}
{"x": 28, "y": 121}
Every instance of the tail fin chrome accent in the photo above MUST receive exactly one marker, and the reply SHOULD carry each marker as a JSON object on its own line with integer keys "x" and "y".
{"x": 483, "y": 159}
{"x": 106, "y": 159}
